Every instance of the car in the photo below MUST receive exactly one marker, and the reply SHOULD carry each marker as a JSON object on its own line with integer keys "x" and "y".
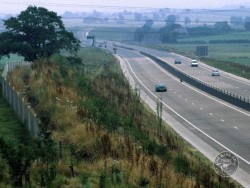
{"x": 194, "y": 63}
{"x": 177, "y": 61}
{"x": 215, "y": 73}
{"x": 161, "y": 87}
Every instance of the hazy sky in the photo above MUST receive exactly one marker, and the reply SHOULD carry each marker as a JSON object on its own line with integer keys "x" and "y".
{"x": 59, "y": 6}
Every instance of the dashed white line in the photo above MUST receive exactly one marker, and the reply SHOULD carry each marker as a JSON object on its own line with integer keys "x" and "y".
{"x": 222, "y": 120}
{"x": 210, "y": 137}
{"x": 236, "y": 127}
{"x": 210, "y": 114}
{"x": 201, "y": 108}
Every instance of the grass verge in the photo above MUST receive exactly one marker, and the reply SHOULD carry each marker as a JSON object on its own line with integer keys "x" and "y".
{"x": 96, "y": 130}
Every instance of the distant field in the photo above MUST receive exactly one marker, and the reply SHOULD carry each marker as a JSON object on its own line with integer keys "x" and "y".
{"x": 114, "y": 33}
{"x": 233, "y": 52}
{"x": 237, "y": 53}
{"x": 231, "y": 36}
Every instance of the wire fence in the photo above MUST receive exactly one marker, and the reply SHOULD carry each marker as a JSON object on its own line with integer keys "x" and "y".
{"x": 19, "y": 105}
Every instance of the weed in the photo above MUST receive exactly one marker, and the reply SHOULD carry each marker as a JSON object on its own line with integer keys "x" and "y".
{"x": 100, "y": 123}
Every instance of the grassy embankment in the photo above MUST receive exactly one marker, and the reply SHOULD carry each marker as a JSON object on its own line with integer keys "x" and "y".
{"x": 107, "y": 134}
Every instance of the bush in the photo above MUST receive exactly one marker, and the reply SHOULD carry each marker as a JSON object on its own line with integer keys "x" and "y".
{"x": 59, "y": 181}
{"x": 181, "y": 165}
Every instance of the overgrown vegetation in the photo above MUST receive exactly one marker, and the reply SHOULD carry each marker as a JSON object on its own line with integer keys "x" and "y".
{"x": 96, "y": 131}
{"x": 17, "y": 150}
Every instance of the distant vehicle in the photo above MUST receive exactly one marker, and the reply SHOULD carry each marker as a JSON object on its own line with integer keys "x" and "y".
{"x": 215, "y": 73}
{"x": 194, "y": 63}
{"x": 161, "y": 87}
{"x": 177, "y": 61}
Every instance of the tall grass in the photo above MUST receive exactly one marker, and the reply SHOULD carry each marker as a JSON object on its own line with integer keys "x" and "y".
{"x": 10, "y": 126}
{"x": 106, "y": 132}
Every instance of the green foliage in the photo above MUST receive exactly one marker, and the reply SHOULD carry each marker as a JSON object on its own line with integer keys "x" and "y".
{"x": 144, "y": 30}
{"x": 181, "y": 164}
{"x": 46, "y": 147}
{"x": 235, "y": 68}
{"x": 35, "y": 33}
{"x": 106, "y": 100}
{"x": 143, "y": 182}
{"x": 169, "y": 33}
{"x": 59, "y": 181}
{"x": 19, "y": 157}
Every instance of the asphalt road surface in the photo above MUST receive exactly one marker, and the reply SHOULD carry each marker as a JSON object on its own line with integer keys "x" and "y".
{"x": 210, "y": 124}
{"x": 228, "y": 82}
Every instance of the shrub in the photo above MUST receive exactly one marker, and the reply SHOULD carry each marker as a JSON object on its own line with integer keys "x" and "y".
{"x": 181, "y": 164}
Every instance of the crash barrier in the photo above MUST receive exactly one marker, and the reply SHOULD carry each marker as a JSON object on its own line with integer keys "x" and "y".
{"x": 217, "y": 92}
{"x": 21, "y": 107}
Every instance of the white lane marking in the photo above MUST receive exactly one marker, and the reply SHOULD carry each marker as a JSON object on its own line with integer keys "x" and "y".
{"x": 186, "y": 99}
{"x": 185, "y": 118}
{"x": 193, "y": 104}
{"x": 222, "y": 120}
{"x": 204, "y": 94}
{"x": 201, "y": 108}
{"x": 243, "y": 82}
{"x": 236, "y": 127}
{"x": 210, "y": 114}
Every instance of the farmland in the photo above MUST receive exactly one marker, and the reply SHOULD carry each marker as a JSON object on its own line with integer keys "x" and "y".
{"x": 223, "y": 50}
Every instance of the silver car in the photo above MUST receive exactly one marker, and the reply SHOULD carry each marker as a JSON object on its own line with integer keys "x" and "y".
{"x": 194, "y": 63}
{"x": 215, "y": 73}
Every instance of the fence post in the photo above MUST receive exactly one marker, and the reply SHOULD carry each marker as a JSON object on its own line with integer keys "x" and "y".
{"x": 17, "y": 103}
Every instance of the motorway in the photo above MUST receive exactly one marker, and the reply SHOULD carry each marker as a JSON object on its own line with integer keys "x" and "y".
{"x": 209, "y": 124}
{"x": 228, "y": 82}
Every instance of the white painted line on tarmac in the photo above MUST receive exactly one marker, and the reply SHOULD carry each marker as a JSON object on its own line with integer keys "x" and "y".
{"x": 237, "y": 80}
{"x": 198, "y": 91}
{"x": 185, "y": 118}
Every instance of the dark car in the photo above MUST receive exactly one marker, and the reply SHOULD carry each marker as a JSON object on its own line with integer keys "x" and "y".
{"x": 177, "y": 61}
{"x": 160, "y": 87}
